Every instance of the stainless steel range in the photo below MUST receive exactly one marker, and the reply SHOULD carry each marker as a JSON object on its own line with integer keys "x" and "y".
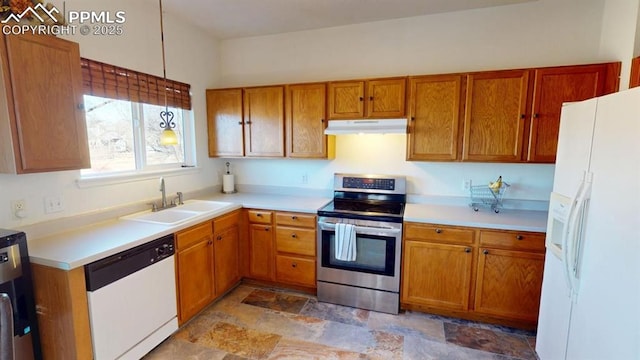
{"x": 369, "y": 277}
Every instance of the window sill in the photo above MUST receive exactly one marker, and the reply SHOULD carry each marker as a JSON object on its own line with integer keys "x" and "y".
{"x": 122, "y": 178}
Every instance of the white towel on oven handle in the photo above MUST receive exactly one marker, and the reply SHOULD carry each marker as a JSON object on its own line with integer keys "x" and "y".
{"x": 345, "y": 242}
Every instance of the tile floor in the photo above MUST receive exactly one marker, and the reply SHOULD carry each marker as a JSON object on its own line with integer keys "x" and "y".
{"x": 261, "y": 323}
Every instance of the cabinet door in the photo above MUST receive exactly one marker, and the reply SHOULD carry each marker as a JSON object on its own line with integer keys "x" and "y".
{"x": 386, "y": 98}
{"x": 306, "y": 121}
{"x": 224, "y": 121}
{"x": 434, "y": 112}
{"x": 553, "y": 86}
{"x": 296, "y": 270}
{"x": 264, "y": 121}
{"x": 635, "y": 73}
{"x": 509, "y": 283}
{"x": 346, "y": 100}
{"x": 494, "y": 117}
{"x": 46, "y": 84}
{"x": 195, "y": 278}
{"x": 261, "y": 256}
{"x": 437, "y": 275}
{"x": 226, "y": 259}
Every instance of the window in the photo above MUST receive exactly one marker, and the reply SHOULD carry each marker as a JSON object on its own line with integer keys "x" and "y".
{"x": 123, "y": 121}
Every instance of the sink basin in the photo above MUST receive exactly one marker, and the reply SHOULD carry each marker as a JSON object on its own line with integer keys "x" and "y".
{"x": 202, "y": 205}
{"x": 165, "y": 217}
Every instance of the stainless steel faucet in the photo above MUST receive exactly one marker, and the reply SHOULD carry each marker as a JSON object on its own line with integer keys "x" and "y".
{"x": 164, "y": 194}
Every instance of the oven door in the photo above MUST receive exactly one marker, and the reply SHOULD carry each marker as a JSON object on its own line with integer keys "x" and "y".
{"x": 377, "y": 263}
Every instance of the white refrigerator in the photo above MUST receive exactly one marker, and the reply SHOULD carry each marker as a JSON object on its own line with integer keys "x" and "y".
{"x": 590, "y": 304}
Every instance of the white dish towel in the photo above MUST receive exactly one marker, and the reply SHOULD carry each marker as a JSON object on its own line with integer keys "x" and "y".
{"x": 345, "y": 246}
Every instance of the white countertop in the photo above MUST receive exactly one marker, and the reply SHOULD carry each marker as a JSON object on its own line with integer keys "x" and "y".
{"x": 522, "y": 220}
{"x": 82, "y": 245}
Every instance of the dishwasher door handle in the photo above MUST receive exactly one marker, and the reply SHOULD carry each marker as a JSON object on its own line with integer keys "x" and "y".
{"x": 6, "y": 328}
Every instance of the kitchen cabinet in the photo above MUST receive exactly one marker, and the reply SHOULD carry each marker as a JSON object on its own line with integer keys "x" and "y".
{"x": 296, "y": 249}
{"x": 635, "y": 72}
{"x": 40, "y": 129}
{"x": 261, "y": 238}
{"x": 444, "y": 253}
{"x": 195, "y": 270}
{"x": 226, "y": 235}
{"x": 376, "y": 98}
{"x": 264, "y": 121}
{"x": 306, "y": 119}
{"x": 473, "y": 273}
{"x": 494, "y": 115}
{"x": 434, "y": 114}
{"x": 554, "y": 86}
{"x": 225, "y": 122}
{"x": 509, "y": 278}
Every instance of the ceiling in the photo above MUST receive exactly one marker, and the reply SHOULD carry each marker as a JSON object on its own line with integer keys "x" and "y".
{"x": 228, "y": 19}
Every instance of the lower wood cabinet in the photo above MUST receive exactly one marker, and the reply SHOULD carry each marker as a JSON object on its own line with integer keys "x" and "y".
{"x": 478, "y": 274}
{"x": 206, "y": 263}
{"x": 261, "y": 256}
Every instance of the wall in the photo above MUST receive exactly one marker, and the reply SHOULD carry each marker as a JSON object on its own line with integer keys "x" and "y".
{"x": 194, "y": 61}
{"x": 619, "y": 34}
{"x": 540, "y": 33}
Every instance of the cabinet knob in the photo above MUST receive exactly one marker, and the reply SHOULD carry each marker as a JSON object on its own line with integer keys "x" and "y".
{"x": 370, "y": 98}
{"x": 535, "y": 116}
{"x": 321, "y": 120}
{"x": 438, "y": 231}
{"x": 294, "y": 217}
{"x": 485, "y": 251}
{"x": 519, "y": 237}
{"x": 259, "y": 215}
{"x": 248, "y": 123}
{"x": 467, "y": 250}
{"x": 522, "y": 116}
{"x": 239, "y": 122}
{"x": 413, "y": 118}
{"x": 294, "y": 265}
{"x": 266, "y": 229}
{"x": 219, "y": 237}
{"x": 80, "y": 106}
{"x": 294, "y": 236}
{"x": 361, "y": 98}
{"x": 209, "y": 242}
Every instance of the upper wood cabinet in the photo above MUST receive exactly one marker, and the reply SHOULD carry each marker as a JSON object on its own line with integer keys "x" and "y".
{"x": 43, "y": 124}
{"x": 224, "y": 122}
{"x": 554, "y": 86}
{"x": 494, "y": 115}
{"x": 635, "y": 73}
{"x": 264, "y": 121}
{"x": 306, "y": 119}
{"x": 434, "y": 113}
{"x": 378, "y": 98}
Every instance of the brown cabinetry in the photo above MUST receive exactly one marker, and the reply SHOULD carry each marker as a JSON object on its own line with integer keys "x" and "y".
{"x": 437, "y": 263}
{"x": 261, "y": 254}
{"x": 224, "y": 121}
{"x": 479, "y": 274}
{"x": 306, "y": 119}
{"x": 377, "y": 98}
{"x": 195, "y": 271}
{"x": 495, "y": 111}
{"x": 41, "y": 129}
{"x": 264, "y": 121}
{"x": 635, "y": 72}
{"x": 554, "y": 86}
{"x": 296, "y": 249}
{"x": 434, "y": 113}
{"x": 206, "y": 263}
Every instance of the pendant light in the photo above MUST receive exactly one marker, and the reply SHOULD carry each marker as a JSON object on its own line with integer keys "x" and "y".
{"x": 168, "y": 136}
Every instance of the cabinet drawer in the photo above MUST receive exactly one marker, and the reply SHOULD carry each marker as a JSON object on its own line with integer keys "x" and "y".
{"x": 295, "y": 270}
{"x": 226, "y": 221}
{"x": 520, "y": 240}
{"x": 296, "y": 240}
{"x": 438, "y": 233}
{"x": 192, "y": 235}
{"x": 294, "y": 219}
{"x": 260, "y": 216}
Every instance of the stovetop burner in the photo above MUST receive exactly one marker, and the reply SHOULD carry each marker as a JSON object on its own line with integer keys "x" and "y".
{"x": 367, "y": 197}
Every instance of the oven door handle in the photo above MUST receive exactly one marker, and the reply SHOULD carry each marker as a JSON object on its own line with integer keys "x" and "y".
{"x": 362, "y": 229}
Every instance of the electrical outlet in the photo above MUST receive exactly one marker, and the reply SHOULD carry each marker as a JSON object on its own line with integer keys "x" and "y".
{"x": 19, "y": 209}
{"x": 53, "y": 204}
{"x": 466, "y": 184}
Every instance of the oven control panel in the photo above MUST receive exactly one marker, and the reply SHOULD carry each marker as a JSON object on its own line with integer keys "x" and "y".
{"x": 368, "y": 183}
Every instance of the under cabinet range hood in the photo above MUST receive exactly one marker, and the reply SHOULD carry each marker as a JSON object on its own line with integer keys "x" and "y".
{"x": 366, "y": 126}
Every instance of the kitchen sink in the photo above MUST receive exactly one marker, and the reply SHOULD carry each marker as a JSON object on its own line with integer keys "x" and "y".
{"x": 179, "y": 214}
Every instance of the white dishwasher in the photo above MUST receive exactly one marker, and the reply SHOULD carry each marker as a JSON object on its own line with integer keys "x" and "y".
{"x": 132, "y": 300}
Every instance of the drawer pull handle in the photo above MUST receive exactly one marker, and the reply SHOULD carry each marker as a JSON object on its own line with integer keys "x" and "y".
{"x": 294, "y": 217}
{"x": 294, "y": 265}
{"x": 438, "y": 231}
{"x": 294, "y": 236}
{"x": 485, "y": 251}
{"x": 519, "y": 237}
{"x": 259, "y": 215}
{"x": 467, "y": 250}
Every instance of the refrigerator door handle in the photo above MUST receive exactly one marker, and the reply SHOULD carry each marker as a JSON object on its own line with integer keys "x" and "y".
{"x": 566, "y": 234}
{"x": 576, "y": 238}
